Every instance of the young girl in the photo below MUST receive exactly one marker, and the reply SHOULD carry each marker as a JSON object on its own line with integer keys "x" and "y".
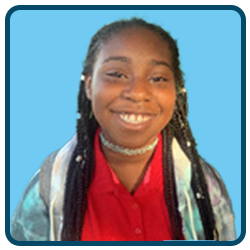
{"x": 132, "y": 171}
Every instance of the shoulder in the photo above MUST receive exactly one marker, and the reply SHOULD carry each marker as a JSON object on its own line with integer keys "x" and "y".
{"x": 216, "y": 186}
{"x": 45, "y": 176}
{"x": 55, "y": 166}
{"x": 30, "y": 220}
{"x": 221, "y": 203}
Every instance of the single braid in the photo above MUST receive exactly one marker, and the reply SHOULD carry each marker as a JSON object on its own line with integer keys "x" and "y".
{"x": 169, "y": 184}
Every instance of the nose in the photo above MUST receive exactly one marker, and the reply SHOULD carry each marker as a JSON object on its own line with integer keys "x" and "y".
{"x": 137, "y": 91}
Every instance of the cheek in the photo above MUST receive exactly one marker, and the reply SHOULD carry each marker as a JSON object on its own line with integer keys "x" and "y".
{"x": 101, "y": 99}
{"x": 98, "y": 94}
{"x": 98, "y": 103}
{"x": 167, "y": 102}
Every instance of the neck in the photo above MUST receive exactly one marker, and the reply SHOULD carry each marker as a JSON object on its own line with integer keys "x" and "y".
{"x": 128, "y": 151}
{"x": 118, "y": 159}
{"x": 119, "y": 154}
{"x": 129, "y": 169}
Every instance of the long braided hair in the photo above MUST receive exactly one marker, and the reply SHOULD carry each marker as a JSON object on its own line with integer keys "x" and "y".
{"x": 82, "y": 162}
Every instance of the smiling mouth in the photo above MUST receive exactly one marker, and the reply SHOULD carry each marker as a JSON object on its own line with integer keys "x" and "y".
{"x": 134, "y": 118}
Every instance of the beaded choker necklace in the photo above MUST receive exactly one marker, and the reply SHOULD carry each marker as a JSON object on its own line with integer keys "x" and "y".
{"x": 127, "y": 151}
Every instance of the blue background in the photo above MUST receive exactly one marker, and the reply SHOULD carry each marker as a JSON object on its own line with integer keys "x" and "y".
{"x": 47, "y": 49}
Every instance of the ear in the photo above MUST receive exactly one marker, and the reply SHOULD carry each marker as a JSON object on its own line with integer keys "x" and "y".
{"x": 88, "y": 84}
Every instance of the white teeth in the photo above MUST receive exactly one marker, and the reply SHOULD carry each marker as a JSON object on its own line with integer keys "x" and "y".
{"x": 133, "y": 118}
{"x": 139, "y": 118}
{"x": 145, "y": 118}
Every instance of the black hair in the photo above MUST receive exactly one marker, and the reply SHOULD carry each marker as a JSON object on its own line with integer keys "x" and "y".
{"x": 82, "y": 163}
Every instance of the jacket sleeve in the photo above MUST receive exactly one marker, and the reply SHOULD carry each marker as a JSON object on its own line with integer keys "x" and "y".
{"x": 30, "y": 221}
{"x": 221, "y": 204}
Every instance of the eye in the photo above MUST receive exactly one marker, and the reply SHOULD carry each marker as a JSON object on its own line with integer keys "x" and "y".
{"x": 158, "y": 79}
{"x": 116, "y": 74}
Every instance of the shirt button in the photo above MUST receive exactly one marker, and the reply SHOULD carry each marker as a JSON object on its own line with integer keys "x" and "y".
{"x": 137, "y": 230}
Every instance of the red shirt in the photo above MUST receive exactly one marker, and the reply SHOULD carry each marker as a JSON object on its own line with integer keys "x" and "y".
{"x": 113, "y": 214}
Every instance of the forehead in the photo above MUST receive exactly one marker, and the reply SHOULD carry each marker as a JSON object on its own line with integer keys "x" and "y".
{"x": 136, "y": 42}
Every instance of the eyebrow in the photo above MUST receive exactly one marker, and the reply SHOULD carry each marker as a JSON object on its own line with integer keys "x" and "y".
{"x": 128, "y": 60}
{"x": 155, "y": 62}
{"x": 117, "y": 58}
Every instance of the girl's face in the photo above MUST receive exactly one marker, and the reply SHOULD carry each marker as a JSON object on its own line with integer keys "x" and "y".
{"x": 132, "y": 87}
